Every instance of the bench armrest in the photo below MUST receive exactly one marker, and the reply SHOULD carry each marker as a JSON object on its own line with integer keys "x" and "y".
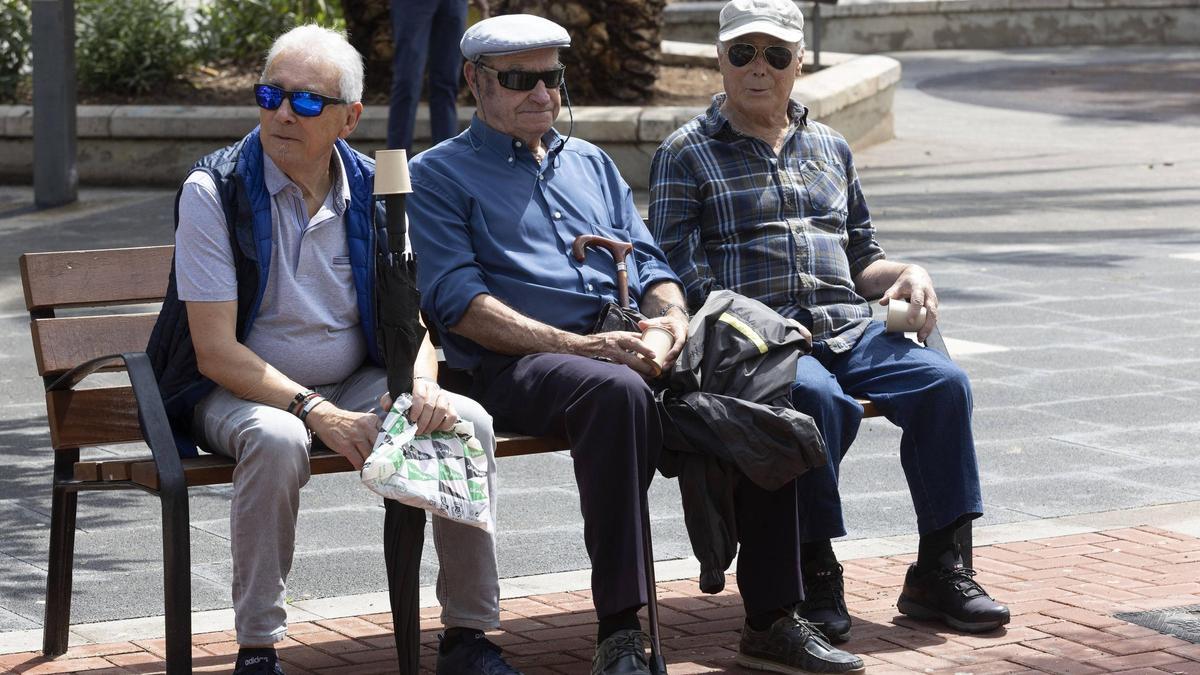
{"x": 152, "y": 416}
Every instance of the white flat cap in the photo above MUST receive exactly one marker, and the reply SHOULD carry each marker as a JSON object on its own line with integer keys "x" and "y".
{"x": 778, "y": 18}
{"x": 512, "y": 33}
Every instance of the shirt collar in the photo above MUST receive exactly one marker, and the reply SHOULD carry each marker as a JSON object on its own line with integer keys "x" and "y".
{"x": 276, "y": 181}
{"x": 715, "y": 120}
{"x": 484, "y": 136}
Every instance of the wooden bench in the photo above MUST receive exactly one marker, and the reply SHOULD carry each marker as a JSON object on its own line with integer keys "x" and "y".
{"x": 84, "y": 319}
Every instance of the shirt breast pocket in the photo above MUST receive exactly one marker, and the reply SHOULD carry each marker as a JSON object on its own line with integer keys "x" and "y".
{"x": 825, "y": 184}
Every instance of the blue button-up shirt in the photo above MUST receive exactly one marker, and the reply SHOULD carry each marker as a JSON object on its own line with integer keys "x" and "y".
{"x": 486, "y": 217}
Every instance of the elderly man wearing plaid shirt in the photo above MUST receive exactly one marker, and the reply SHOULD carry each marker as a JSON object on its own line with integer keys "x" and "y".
{"x": 755, "y": 197}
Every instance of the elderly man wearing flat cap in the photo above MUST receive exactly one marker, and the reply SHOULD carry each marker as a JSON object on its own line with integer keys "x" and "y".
{"x": 494, "y": 213}
{"x": 755, "y": 197}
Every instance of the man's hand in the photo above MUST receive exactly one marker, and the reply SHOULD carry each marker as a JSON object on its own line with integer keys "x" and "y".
{"x": 349, "y": 434}
{"x": 915, "y": 286}
{"x": 675, "y": 323}
{"x": 431, "y": 409}
{"x": 804, "y": 333}
{"x": 620, "y": 346}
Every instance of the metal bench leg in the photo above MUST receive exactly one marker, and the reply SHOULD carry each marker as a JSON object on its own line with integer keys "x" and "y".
{"x": 177, "y": 578}
{"x": 62, "y": 559}
{"x": 658, "y": 664}
{"x": 403, "y": 539}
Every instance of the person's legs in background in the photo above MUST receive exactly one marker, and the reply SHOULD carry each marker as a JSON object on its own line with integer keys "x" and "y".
{"x": 411, "y": 23}
{"x": 445, "y": 68}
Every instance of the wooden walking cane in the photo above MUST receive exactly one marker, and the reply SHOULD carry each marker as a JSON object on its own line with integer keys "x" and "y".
{"x": 619, "y": 250}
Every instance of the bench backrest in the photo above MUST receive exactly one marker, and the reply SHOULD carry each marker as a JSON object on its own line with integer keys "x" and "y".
{"x": 98, "y": 289}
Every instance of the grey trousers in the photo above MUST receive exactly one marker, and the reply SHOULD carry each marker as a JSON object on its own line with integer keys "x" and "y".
{"x": 271, "y": 448}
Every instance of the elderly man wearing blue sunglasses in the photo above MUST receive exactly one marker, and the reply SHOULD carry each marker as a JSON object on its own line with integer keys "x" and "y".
{"x": 266, "y": 342}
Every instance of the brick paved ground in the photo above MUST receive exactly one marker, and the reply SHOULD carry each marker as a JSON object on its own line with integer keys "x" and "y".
{"x": 1062, "y": 591}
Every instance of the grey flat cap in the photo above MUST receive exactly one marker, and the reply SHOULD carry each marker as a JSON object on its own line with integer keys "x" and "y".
{"x": 512, "y": 33}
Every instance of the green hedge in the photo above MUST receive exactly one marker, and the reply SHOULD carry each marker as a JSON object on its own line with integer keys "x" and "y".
{"x": 241, "y": 31}
{"x": 14, "y": 47}
{"x": 131, "y": 46}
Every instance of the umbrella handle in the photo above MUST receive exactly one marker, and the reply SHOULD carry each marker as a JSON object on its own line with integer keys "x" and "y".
{"x": 618, "y": 249}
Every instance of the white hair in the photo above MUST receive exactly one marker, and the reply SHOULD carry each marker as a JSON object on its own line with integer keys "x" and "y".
{"x": 328, "y": 46}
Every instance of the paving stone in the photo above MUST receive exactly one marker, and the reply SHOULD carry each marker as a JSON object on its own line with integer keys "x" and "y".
{"x": 1042, "y": 496}
{"x": 1021, "y": 458}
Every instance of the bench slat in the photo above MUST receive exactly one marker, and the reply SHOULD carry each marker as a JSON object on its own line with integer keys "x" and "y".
{"x": 89, "y": 417}
{"x": 216, "y": 470}
{"x": 62, "y": 344}
{"x": 95, "y": 278}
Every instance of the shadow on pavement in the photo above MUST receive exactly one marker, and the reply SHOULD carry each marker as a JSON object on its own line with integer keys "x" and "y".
{"x": 1149, "y": 91}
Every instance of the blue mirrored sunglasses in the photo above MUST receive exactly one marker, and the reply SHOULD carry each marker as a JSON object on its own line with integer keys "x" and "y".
{"x": 304, "y": 103}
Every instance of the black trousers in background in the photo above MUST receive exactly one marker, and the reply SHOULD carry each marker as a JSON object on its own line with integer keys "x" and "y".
{"x": 608, "y": 414}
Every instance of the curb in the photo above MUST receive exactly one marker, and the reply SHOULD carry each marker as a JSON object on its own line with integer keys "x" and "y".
{"x": 868, "y": 27}
{"x": 155, "y": 145}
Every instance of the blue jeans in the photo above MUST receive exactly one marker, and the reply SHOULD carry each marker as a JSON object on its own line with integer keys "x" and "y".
{"x": 917, "y": 389}
{"x": 425, "y": 30}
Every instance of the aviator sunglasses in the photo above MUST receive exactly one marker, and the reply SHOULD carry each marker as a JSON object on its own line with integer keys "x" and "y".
{"x": 525, "y": 80}
{"x": 304, "y": 103}
{"x": 741, "y": 54}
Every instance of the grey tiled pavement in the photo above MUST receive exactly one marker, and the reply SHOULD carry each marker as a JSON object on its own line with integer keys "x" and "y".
{"x": 1051, "y": 235}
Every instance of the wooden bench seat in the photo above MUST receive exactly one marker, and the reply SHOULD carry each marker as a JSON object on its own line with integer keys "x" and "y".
{"x": 104, "y": 329}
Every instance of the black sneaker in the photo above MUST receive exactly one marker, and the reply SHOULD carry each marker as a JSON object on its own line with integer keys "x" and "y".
{"x": 475, "y": 655}
{"x": 793, "y": 645}
{"x": 622, "y": 653}
{"x": 824, "y": 604}
{"x": 950, "y": 593}
{"x": 257, "y": 662}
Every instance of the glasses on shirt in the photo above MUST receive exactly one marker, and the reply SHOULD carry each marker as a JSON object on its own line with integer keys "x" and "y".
{"x": 525, "y": 80}
{"x": 741, "y": 54}
{"x": 304, "y": 103}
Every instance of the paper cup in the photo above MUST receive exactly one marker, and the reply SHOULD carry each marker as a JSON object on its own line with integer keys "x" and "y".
{"x": 660, "y": 340}
{"x": 391, "y": 172}
{"x": 898, "y": 319}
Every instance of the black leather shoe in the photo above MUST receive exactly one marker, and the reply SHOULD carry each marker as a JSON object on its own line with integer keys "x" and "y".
{"x": 622, "y": 653}
{"x": 793, "y": 645}
{"x": 950, "y": 593}
{"x": 824, "y": 604}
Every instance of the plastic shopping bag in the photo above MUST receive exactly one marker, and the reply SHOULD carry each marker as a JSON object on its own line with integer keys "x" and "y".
{"x": 444, "y": 472}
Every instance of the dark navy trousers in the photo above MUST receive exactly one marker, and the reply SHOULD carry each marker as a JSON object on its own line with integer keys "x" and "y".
{"x": 917, "y": 389}
{"x": 425, "y": 31}
{"x": 609, "y": 415}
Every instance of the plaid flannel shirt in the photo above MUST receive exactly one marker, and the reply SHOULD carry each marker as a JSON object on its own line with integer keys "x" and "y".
{"x": 791, "y": 231}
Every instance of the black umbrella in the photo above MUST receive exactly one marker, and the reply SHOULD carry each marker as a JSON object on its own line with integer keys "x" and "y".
{"x": 399, "y": 332}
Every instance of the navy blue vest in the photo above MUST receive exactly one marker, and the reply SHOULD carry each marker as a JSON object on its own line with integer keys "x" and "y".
{"x": 237, "y": 171}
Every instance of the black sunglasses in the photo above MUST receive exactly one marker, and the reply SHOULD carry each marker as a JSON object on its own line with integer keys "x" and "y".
{"x": 304, "y": 103}
{"x": 525, "y": 80}
{"x": 741, "y": 54}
